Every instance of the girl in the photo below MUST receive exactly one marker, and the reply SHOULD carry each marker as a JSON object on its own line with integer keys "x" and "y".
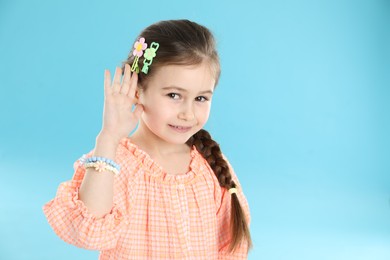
{"x": 167, "y": 191}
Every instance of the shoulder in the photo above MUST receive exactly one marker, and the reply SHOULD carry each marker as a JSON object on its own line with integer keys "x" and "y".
{"x": 128, "y": 154}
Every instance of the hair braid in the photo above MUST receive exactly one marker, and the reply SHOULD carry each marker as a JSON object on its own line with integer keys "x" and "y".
{"x": 213, "y": 155}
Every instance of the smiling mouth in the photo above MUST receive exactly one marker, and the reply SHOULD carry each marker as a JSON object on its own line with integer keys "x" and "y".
{"x": 180, "y": 128}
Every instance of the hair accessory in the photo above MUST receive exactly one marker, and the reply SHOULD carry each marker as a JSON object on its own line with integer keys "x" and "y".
{"x": 139, "y": 46}
{"x": 150, "y": 53}
{"x": 232, "y": 190}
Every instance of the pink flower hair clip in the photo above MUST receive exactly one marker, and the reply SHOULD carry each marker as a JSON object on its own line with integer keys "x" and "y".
{"x": 139, "y": 48}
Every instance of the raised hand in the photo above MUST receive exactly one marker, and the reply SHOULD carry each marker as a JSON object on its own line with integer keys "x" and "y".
{"x": 119, "y": 97}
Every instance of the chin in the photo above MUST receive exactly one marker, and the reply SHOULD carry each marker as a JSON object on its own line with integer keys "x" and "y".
{"x": 178, "y": 139}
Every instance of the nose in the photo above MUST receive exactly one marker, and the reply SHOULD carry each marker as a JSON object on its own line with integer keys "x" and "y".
{"x": 186, "y": 113}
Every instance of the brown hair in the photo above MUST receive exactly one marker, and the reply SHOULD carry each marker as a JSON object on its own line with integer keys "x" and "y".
{"x": 183, "y": 42}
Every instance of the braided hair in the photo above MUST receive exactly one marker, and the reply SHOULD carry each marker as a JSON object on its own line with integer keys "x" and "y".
{"x": 211, "y": 151}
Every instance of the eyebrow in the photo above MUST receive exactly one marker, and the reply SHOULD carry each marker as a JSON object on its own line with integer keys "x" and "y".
{"x": 184, "y": 90}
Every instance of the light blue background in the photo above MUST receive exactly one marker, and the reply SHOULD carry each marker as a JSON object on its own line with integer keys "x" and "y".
{"x": 302, "y": 112}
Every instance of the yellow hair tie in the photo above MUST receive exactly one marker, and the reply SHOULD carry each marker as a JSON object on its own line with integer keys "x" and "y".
{"x": 232, "y": 190}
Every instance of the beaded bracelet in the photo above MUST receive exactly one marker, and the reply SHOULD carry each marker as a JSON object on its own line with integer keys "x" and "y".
{"x": 101, "y": 166}
{"x": 109, "y": 162}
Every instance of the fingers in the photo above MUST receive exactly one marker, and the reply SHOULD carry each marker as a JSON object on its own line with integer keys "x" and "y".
{"x": 133, "y": 85}
{"x": 126, "y": 80}
{"x": 127, "y": 87}
{"x": 116, "y": 86}
{"x": 107, "y": 82}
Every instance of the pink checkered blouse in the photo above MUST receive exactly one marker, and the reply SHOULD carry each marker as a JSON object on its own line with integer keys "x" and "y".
{"x": 156, "y": 215}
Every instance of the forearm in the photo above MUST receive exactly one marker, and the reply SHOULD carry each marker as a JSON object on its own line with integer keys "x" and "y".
{"x": 97, "y": 188}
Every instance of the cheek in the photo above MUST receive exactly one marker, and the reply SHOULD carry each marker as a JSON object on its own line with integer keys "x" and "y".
{"x": 151, "y": 103}
{"x": 203, "y": 113}
{"x": 157, "y": 109}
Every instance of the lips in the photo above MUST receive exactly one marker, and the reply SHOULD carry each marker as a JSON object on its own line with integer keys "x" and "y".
{"x": 180, "y": 129}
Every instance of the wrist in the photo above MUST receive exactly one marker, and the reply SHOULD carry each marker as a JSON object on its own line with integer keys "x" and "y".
{"x": 108, "y": 138}
{"x": 106, "y": 145}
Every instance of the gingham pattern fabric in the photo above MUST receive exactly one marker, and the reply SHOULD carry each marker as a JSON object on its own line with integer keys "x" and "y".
{"x": 156, "y": 215}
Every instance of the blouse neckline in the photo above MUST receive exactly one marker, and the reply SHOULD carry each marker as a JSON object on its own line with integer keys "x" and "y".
{"x": 152, "y": 168}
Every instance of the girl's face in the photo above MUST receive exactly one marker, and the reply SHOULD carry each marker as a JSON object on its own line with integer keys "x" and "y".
{"x": 177, "y": 102}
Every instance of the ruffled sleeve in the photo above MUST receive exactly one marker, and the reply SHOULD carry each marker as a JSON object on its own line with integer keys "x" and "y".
{"x": 223, "y": 221}
{"x": 71, "y": 221}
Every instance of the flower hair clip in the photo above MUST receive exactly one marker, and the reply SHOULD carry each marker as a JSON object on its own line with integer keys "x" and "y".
{"x": 139, "y": 47}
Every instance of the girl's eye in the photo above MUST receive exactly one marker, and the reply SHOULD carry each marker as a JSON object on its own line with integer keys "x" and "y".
{"x": 174, "y": 96}
{"x": 201, "y": 99}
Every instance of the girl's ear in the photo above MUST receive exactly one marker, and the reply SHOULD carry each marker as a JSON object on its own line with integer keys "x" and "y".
{"x": 138, "y": 95}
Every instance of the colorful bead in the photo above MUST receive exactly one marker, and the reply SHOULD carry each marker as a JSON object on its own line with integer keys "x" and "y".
{"x": 107, "y": 161}
{"x": 101, "y": 166}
